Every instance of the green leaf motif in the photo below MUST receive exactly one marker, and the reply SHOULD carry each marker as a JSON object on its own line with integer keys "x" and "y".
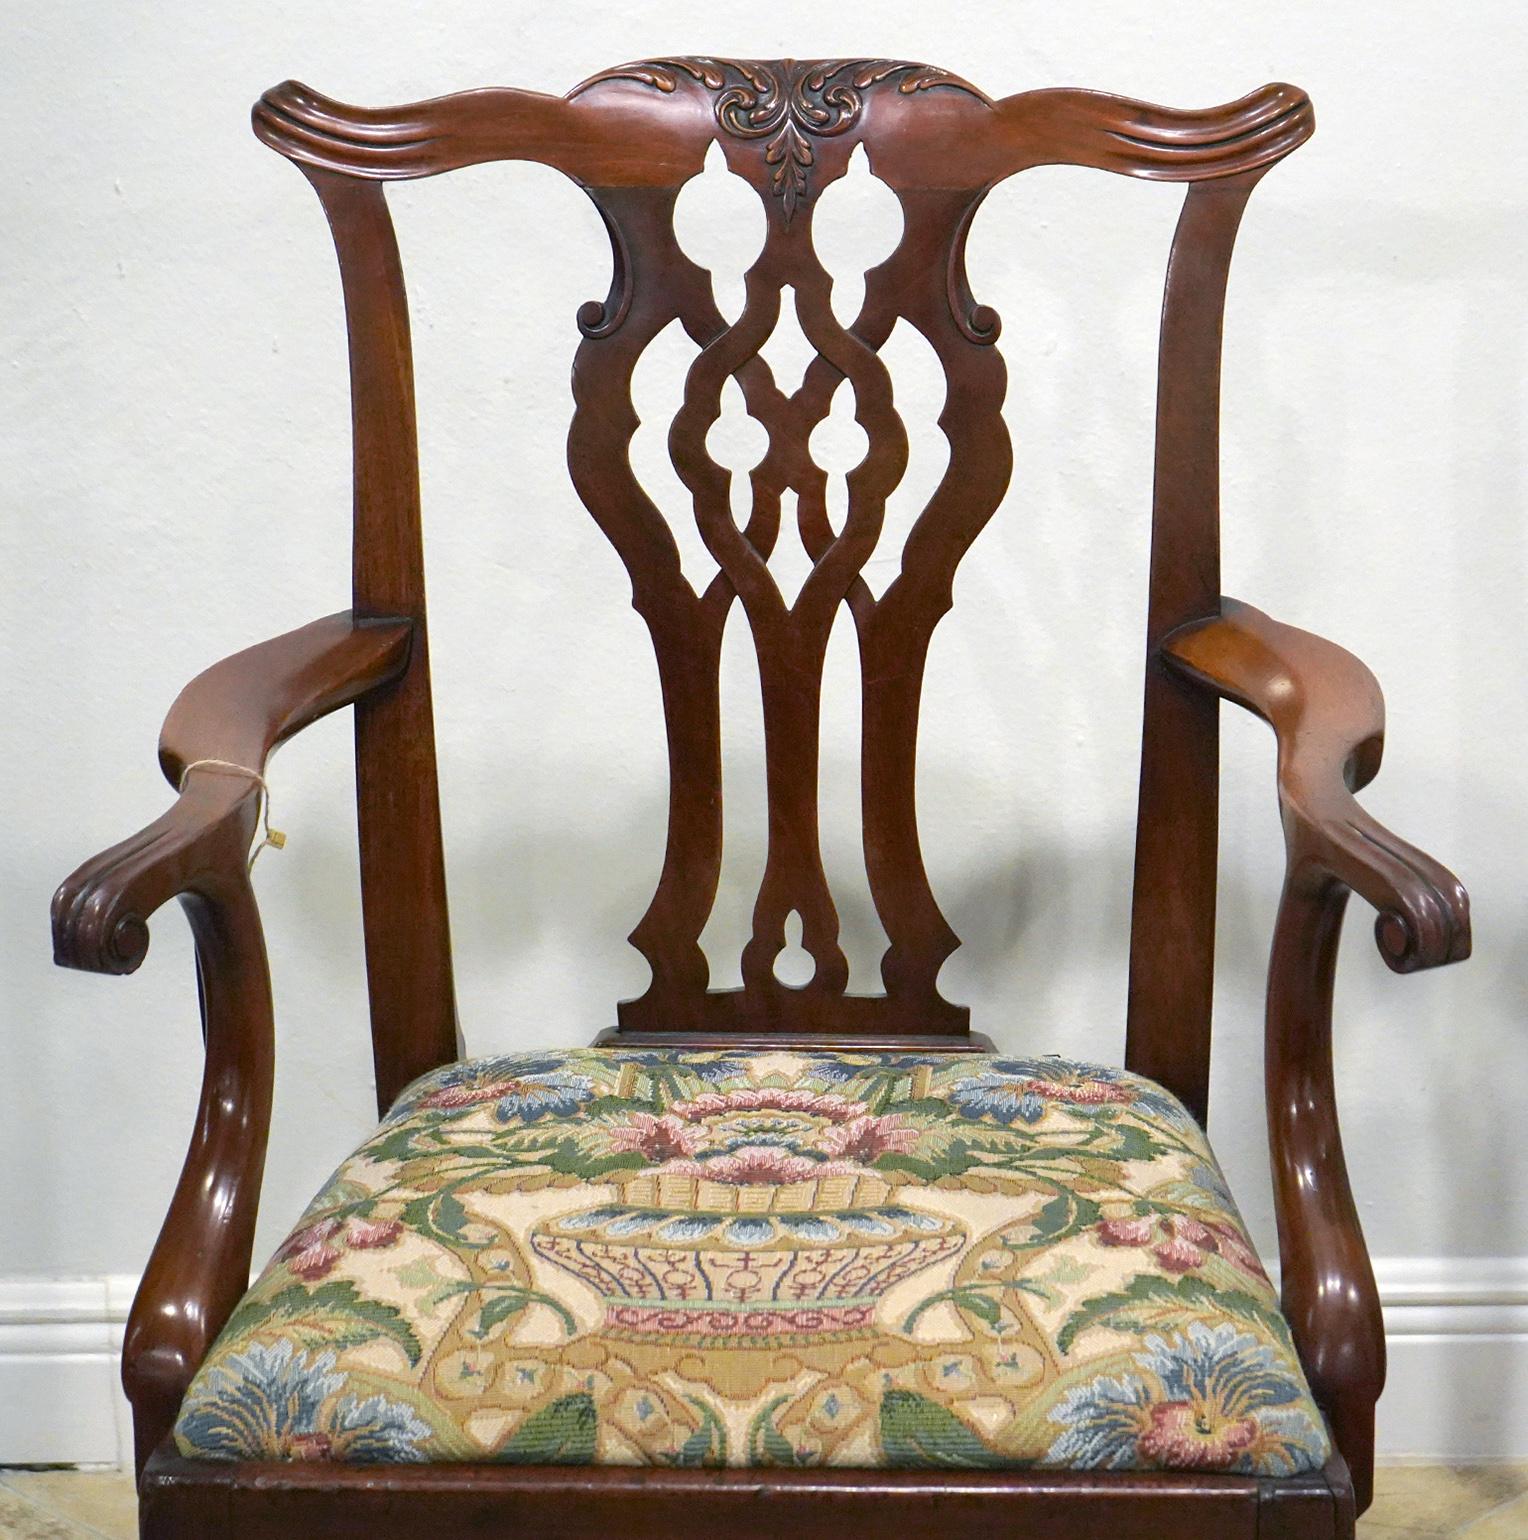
{"x": 1064, "y": 1213}
{"x": 567, "y": 1159}
{"x": 966, "y": 1297}
{"x": 622, "y": 1107}
{"x": 562, "y": 1433}
{"x": 767, "y": 1445}
{"x": 1132, "y": 1142}
{"x": 336, "y": 1310}
{"x": 499, "y": 1309}
{"x": 397, "y": 1143}
{"x": 1188, "y": 1295}
{"x": 450, "y": 1215}
{"x": 920, "y": 1433}
{"x": 707, "y": 1445}
{"x": 922, "y": 1107}
{"x": 925, "y": 1170}
{"x": 512, "y": 1300}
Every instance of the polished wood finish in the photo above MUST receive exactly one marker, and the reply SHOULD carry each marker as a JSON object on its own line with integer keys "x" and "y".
{"x": 1329, "y": 717}
{"x": 1172, "y": 916}
{"x": 275, "y": 1502}
{"x": 631, "y": 137}
{"x": 237, "y": 711}
{"x": 403, "y": 869}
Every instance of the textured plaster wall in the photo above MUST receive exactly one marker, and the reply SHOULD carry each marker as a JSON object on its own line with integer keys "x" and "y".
{"x": 174, "y": 485}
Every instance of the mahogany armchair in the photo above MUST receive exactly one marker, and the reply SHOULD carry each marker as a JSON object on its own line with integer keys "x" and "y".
{"x": 734, "y": 1334}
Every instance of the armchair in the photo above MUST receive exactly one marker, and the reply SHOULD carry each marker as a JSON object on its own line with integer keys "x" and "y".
{"x": 779, "y": 1256}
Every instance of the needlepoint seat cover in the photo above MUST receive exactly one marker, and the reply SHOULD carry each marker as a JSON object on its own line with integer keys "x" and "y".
{"x": 753, "y": 1258}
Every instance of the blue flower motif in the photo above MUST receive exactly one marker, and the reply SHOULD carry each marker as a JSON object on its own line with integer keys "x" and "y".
{"x": 835, "y": 1068}
{"x": 591, "y": 1218}
{"x": 634, "y": 1223}
{"x": 470, "y": 1082}
{"x": 1209, "y": 1181}
{"x": 378, "y": 1431}
{"x": 1143, "y": 1093}
{"x": 554, "y": 1093}
{"x": 997, "y": 1096}
{"x": 273, "y": 1402}
{"x": 810, "y": 1227}
{"x": 1209, "y": 1398}
{"x": 521, "y": 1086}
{"x": 711, "y": 1069}
{"x": 1223, "y": 1366}
{"x": 1103, "y": 1421}
{"x": 1017, "y": 1090}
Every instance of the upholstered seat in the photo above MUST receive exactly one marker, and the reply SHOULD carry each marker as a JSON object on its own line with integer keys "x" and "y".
{"x": 792, "y": 1258}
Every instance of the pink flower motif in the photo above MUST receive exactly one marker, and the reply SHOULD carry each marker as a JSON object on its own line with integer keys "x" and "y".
{"x": 1193, "y": 1232}
{"x": 1086, "y": 1092}
{"x": 1186, "y": 1437}
{"x": 1177, "y": 1256}
{"x": 657, "y": 1138}
{"x": 838, "y": 1109}
{"x": 758, "y": 1164}
{"x": 314, "y": 1261}
{"x": 1126, "y": 1232}
{"x": 864, "y": 1138}
{"x": 1234, "y": 1248}
{"x": 368, "y": 1235}
{"x": 309, "y": 1236}
{"x": 468, "y": 1095}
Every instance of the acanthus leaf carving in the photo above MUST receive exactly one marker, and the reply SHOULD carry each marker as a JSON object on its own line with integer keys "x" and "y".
{"x": 785, "y": 102}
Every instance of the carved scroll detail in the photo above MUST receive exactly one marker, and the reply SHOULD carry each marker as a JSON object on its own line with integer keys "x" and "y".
{"x": 785, "y": 102}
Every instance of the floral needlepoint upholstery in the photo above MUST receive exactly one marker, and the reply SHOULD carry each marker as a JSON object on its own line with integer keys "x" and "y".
{"x": 620, "y": 1257}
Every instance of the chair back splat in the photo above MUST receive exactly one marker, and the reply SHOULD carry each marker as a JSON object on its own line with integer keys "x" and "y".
{"x": 631, "y": 137}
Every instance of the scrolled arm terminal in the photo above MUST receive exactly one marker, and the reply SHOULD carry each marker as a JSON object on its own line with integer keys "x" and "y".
{"x": 1328, "y": 715}
{"x": 239, "y": 710}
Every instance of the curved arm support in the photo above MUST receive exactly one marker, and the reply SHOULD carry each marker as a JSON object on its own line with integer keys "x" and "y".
{"x": 239, "y": 710}
{"x": 1326, "y": 1282}
{"x": 199, "y": 1268}
{"x": 1327, "y": 712}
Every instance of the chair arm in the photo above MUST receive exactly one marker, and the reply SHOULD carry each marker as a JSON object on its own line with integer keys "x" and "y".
{"x": 1329, "y": 717}
{"x": 239, "y": 710}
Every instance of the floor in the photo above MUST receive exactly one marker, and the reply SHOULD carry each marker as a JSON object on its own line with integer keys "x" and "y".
{"x": 1425, "y": 1502}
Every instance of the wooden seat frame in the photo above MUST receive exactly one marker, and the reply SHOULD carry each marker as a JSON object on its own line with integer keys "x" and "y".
{"x": 631, "y": 138}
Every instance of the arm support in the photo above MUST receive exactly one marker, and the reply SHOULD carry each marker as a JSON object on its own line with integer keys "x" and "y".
{"x": 239, "y": 710}
{"x": 1327, "y": 712}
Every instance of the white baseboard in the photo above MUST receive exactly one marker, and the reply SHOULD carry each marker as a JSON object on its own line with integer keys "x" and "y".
{"x": 1457, "y": 1332}
{"x": 61, "y": 1401}
{"x": 1456, "y": 1336}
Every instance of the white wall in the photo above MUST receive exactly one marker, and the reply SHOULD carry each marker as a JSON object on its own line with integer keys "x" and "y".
{"x": 174, "y": 485}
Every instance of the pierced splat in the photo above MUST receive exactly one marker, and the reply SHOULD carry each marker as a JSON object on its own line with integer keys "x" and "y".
{"x": 771, "y": 121}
